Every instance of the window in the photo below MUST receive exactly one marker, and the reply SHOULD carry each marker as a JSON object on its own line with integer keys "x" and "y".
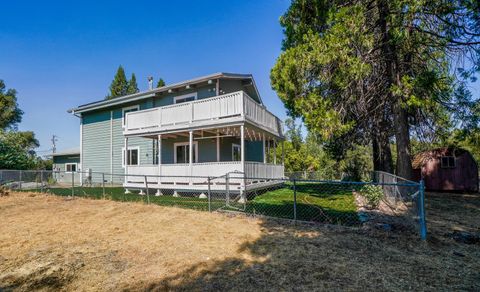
{"x": 132, "y": 156}
{"x": 185, "y": 98}
{"x": 126, "y": 110}
{"x": 448, "y": 161}
{"x": 182, "y": 151}
{"x": 70, "y": 167}
{"x": 236, "y": 152}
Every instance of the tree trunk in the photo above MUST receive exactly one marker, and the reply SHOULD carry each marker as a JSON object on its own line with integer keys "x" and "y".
{"x": 402, "y": 137}
{"x": 400, "y": 115}
{"x": 382, "y": 154}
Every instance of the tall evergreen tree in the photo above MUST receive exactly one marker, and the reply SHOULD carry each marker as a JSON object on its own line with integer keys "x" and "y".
{"x": 379, "y": 69}
{"x": 160, "y": 83}
{"x": 119, "y": 85}
{"x": 132, "y": 85}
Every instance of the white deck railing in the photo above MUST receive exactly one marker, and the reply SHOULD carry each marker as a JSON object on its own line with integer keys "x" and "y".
{"x": 209, "y": 110}
{"x": 180, "y": 173}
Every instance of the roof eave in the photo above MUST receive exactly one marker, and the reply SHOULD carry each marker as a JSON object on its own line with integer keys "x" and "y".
{"x": 151, "y": 93}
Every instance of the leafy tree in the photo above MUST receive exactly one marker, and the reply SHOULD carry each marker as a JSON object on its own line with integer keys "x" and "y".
{"x": 16, "y": 148}
{"x": 377, "y": 69}
{"x": 25, "y": 140}
{"x": 10, "y": 113}
{"x": 357, "y": 164}
{"x": 160, "y": 83}
{"x": 13, "y": 155}
{"x": 119, "y": 85}
{"x": 294, "y": 133}
{"x": 132, "y": 85}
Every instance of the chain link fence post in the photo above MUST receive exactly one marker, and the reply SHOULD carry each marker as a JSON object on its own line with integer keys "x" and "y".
{"x": 146, "y": 190}
{"x": 227, "y": 189}
{"x": 20, "y": 180}
{"x": 295, "y": 200}
{"x": 73, "y": 184}
{"x": 423, "y": 224}
{"x": 103, "y": 185}
{"x": 41, "y": 181}
{"x": 209, "y": 196}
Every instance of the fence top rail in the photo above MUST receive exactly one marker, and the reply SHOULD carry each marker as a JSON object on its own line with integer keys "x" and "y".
{"x": 231, "y": 175}
{"x": 394, "y": 176}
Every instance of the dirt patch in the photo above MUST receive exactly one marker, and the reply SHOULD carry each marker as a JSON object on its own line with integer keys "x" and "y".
{"x": 49, "y": 243}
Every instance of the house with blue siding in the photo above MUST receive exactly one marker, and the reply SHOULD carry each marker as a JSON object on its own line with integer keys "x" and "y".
{"x": 65, "y": 166}
{"x": 179, "y": 134}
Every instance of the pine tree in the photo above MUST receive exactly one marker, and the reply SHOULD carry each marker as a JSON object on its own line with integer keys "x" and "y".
{"x": 160, "y": 83}
{"x": 132, "y": 85}
{"x": 119, "y": 85}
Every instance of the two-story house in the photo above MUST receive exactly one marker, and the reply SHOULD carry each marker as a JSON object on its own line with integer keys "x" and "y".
{"x": 181, "y": 133}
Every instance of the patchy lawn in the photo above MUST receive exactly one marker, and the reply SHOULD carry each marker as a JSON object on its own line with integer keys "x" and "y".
{"x": 318, "y": 202}
{"x": 53, "y": 243}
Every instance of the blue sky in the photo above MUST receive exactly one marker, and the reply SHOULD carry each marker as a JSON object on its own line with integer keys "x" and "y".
{"x": 59, "y": 55}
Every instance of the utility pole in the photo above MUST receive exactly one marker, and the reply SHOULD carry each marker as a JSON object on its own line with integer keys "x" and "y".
{"x": 54, "y": 146}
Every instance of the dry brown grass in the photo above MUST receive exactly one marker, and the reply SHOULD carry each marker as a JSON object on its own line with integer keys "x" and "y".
{"x": 50, "y": 243}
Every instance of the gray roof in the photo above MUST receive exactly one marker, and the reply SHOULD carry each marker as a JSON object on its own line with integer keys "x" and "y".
{"x": 151, "y": 93}
{"x": 71, "y": 151}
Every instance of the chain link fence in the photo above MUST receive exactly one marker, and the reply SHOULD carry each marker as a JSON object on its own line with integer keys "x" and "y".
{"x": 387, "y": 198}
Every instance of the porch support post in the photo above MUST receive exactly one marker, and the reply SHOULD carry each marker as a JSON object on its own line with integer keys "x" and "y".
{"x": 190, "y": 154}
{"x": 283, "y": 152}
{"x": 263, "y": 148}
{"x": 218, "y": 146}
{"x": 242, "y": 159}
{"x": 242, "y": 147}
{"x": 274, "y": 151}
{"x": 159, "y": 159}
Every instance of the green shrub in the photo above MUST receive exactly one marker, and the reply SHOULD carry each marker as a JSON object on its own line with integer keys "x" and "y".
{"x": 373, "y": 194}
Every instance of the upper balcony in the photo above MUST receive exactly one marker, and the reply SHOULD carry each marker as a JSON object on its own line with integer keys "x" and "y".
{"x": 215, "y": 111}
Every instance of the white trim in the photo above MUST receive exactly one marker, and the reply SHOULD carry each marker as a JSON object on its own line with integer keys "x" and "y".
{"x": 130, "y": 148}
{"x": 111, "y": 146}
{"x": 183, "y": 144}
{"x": 146, "y": 94}
{"x": 81, "y": 150}
{"x": 137, "y": 107}
{"x": 233, "y": 150}
{"x": 71, "y": 163}
{"x": 194, "y": 94}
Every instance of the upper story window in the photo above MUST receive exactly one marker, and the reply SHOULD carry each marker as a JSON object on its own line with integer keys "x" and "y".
{"x": 126, "y": 110}
{"x": 448, "y": 162}
{"x": 185, "y": 98}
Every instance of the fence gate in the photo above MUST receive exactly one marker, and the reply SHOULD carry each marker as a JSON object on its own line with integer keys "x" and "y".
{"x": 227, "y": 193}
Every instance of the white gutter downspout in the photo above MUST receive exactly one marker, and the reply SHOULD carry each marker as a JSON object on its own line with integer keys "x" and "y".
{"x": 81, "y": 146}
{"x": 111, "y": 146}
{"x": 81, "y": 151}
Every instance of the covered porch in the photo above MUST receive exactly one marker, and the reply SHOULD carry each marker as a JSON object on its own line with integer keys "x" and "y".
{"x": 185, "y": 160}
